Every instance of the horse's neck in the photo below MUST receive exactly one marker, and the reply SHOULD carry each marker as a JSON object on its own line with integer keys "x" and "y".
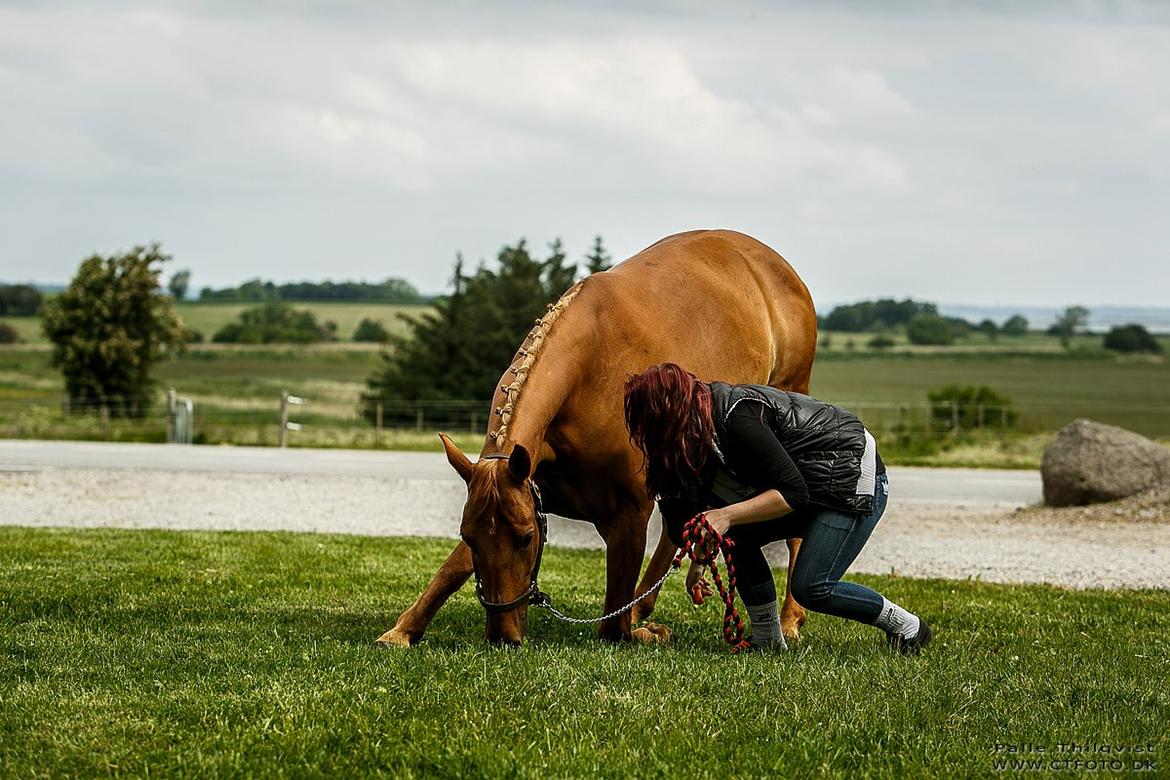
{"x": 524, "y": 414}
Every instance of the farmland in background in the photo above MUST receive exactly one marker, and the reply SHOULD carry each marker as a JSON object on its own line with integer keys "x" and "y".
{"x": 235, "y": 391}
{"x": 207, "y": 318}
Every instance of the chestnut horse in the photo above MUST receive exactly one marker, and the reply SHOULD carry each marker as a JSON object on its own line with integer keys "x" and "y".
{"x": 720, "y": 304}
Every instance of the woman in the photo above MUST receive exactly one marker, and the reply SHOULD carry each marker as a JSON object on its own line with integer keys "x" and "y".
{"x": 752, "y": 455}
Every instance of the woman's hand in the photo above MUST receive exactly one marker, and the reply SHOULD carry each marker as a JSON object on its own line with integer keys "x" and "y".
{"x": 697, "y": 586}
{"x": 720, "y": 521}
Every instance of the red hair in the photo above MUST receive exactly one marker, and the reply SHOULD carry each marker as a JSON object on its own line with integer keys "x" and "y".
{"x": 668, "y": 415}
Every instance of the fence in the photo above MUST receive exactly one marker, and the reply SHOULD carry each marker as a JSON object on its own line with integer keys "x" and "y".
{"x": 267, "y": 420}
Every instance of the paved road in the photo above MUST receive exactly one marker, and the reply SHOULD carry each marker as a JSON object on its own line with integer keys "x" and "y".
{"x": 955, "y": 523}
{"x": 953, "y": 487}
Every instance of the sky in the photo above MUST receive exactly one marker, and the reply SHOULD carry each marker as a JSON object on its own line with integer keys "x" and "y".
{"x": 985, "y": 153}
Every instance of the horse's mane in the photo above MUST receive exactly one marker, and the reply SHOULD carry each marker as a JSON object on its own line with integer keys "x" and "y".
{"x": 525, "y": 358}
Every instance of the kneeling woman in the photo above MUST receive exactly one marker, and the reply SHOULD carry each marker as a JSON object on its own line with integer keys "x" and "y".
{"x": 750, "y": 455}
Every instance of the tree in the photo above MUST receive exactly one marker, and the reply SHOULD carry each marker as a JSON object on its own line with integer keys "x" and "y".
{"x": 558, "y": 273}
{"x": 1016, "y": 325}
{"x": 179, "y": 284}
{"x": 1131, "y": 338}
{"x": 990, "y": 328}
{"x": 458, "y": 349}
{"x": 598, "y": 259}
{"x": 371, "y": 330}
{"x": 275, "y": 322}
{"x": 8, "y": 334}
{"x": 19, "y": 300}
{"x": 876, "y": 315}
{"x": 1068, "y": 322}
{"x": 110, "y": 327}
{"x": 930, "y": 329}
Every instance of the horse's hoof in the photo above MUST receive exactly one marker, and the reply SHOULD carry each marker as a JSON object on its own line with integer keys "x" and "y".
{"x": 791, "y": 633}
{"x": 652, "y": 634}
{"x": 392, "y": 638}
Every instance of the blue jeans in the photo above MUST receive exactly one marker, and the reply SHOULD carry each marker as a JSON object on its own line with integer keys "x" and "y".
{"x": 831, "y": 542}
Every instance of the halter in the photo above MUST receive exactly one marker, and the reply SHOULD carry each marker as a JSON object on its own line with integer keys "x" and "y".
{"x": 532, "y": 594}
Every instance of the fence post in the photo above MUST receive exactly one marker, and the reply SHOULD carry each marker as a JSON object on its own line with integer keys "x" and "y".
{"x": 980, "y": 424}
{"x": 927, "y": 413}
{"x": 104, "y": 416}
{"x": 473, "y": 422}
{"x": 65, "y": 404}
{"x": 418, "y": 419}
{"x": 171, "y": 416}
{"x": 378, "y": 424}
{"x": 954, "y": 417}
{"x": 283, "y": 417}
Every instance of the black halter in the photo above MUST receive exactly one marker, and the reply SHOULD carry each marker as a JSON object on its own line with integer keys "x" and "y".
{"x": 532, "y": 594}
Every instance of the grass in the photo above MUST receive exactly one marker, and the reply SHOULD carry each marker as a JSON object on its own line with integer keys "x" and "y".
{"x": 212, "y": 654}
{"x": 207, "y": 318}
{"x": 236, "y": 393}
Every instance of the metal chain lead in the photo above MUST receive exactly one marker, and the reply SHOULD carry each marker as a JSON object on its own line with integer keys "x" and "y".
{"x": 547, "y": 605}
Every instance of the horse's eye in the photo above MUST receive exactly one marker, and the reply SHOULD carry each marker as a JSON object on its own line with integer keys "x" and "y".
{"x": 526, "y": 539}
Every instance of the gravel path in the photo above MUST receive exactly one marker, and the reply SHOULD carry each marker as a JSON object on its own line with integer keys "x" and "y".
{"x": 917, "y": 537}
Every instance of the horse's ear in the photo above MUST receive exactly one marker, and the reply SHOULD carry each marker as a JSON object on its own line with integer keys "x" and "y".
{"x": 520, "y": 463}
{"x": 456, "y": 458}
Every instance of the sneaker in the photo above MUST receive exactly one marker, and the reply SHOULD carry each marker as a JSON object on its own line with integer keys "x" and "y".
{"x": 911, "y": 646}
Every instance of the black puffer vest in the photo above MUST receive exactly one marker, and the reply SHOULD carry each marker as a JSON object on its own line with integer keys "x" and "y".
{"x": 824, "y": 441}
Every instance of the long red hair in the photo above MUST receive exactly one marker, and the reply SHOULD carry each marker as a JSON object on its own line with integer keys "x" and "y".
{"x": 668, "y": 415}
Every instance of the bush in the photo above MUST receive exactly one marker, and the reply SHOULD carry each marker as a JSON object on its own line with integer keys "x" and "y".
{"x": 972, "y": 407}
{"x": 369, "y": 330}
{"x": 8, "y": 334}
{"x": 1131, "y": 338}
{"x": 870, "y": 315}
{"x": 880, "y": 342}
{"x": 19, "y": 300}
{"x": 275, "y": 323}
{"x": 930, "y": 329}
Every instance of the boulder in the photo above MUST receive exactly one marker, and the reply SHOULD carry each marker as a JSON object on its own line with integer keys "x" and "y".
{"x": 1087, "y": 463}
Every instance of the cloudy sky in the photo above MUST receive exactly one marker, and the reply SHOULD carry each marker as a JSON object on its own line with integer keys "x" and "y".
{"x": 990, "y": 153}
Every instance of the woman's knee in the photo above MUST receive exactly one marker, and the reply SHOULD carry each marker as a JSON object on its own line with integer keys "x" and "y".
{"x": 810, "y": 592}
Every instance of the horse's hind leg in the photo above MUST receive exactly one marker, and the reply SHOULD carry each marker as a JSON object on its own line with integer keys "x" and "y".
{"x": 792, "y": 615}
{"x": 413, "y": 622}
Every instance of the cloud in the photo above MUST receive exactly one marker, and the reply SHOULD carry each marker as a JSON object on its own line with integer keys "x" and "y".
{"x": 258, "y": 140}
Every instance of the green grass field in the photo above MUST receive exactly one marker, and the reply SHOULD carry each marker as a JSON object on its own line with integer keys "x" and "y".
{"x": 236, "y": 393}
{"x": 215, "y": 654}
{"x": 207, "y": 318}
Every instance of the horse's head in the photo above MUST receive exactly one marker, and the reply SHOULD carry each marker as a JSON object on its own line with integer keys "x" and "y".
{"x": 499, "y": 525}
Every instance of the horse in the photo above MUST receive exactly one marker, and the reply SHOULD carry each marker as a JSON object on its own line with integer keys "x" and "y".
{"x": 717, "y": 302}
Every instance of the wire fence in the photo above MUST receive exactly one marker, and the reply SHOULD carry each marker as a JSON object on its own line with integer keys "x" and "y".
{"x": 269, "y": 420}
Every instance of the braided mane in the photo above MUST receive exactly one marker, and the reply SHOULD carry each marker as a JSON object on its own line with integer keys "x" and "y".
{"x": 523, "y": 361}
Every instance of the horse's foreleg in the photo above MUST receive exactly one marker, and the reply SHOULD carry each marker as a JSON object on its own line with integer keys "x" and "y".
{"x": 659, "y": 564}
{"x": 413, "y": 622}
{"x": 792, "y": 615}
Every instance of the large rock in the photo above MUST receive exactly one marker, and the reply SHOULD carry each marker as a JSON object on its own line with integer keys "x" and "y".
{"x": 1087, "y": 462}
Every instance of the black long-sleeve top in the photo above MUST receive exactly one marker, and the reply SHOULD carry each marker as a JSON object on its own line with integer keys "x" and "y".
{"x": 753, "y": 461}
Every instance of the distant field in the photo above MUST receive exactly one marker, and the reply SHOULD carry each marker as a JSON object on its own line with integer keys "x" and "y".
{"x": 236, "y": 392}
{"x": 207, "y": 318}
{"x": 838, "y": 342}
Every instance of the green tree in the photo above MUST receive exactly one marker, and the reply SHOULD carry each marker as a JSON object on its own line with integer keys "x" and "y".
{"x": 371, "y": 330}
{"x": 930, "y": 329}
{"x": 1069, "y": 321}
{"x": 1131, "y": 338}
{"x": 458, "y": 350}
{"x": 179, "y": 284}
{"x": 19, "y": 300}
{"x": 990, "y": 328}
{"x": 1016, "y": 325}
{"x": 275, "y": 322}
{"x": 8, "y": 334}
{"x": 598, "y": 259}
{"x": 110, "y": 327}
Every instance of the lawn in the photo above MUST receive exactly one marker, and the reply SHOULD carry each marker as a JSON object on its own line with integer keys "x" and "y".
{"x": 212, "y": 654}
